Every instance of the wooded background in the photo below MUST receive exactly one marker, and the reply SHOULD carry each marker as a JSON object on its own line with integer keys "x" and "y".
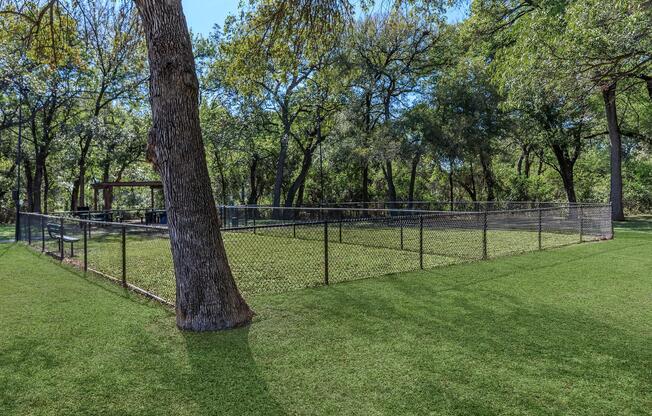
{"x": 523, "y": 100}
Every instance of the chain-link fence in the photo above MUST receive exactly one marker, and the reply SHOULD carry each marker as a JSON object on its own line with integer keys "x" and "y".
{"x": 273, "y": 256}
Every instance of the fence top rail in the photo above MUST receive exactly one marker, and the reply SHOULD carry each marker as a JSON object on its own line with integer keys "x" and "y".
{"x": 460, "y": 202}
{"x": 94, "y": 222}
{"x": 330, "y": 207}
{"x": 100, "y": 211}
{"x": 409, "y": 214}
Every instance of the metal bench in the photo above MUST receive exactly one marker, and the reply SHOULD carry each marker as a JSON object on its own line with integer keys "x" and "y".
{"x": 57, "y": 233}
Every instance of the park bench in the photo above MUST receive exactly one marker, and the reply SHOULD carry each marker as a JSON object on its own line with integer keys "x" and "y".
{"x": 57, "y": 233}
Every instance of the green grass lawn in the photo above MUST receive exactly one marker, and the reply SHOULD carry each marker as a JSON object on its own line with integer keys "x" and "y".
{"x": 7, "y": 231}
{"x": 273, "y": 261}
{"x": 563, "y": 331}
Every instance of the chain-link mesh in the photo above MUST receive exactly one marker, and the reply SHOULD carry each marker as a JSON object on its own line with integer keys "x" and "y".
{"x": 276, "y": 251}
{"x": 276, "y": 258}
{"x": 512, "y": 231}
{"x": 104, "y": 241}
{"x": 149, "y": 260}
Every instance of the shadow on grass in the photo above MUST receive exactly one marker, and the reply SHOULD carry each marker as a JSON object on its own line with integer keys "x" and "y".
{"x": 224, "y": 377}
{"x": 505, "y": 345}
{"x": 471, "y": 348}
{"x": 636, "y": 223}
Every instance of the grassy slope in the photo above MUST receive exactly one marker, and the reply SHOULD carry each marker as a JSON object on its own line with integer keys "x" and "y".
{"x": 557, "y": 332}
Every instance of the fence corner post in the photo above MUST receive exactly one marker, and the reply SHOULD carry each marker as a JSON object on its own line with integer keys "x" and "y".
{"x": 61, "y": 253}
{"x": 539, "y": 228}
{"x": 421, "y": 242}
{"x": 485, "y": 226}
{"x": 326, "y": 252}
{"x": 42, "y": 236}
{"x": 124, "y": 256}
{"x": 581, "y": 220}
{"x": 85, "y": 228}
{"x": 340, "y": 230}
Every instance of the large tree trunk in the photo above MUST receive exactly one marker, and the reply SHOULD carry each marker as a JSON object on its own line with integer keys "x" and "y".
{"x": 207, "y": 297}
{"x": 609, "y": 96}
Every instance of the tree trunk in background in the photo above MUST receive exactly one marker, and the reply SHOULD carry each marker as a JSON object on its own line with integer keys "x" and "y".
{"x": 37, "y": 183}
{"x": 389, "y": 177}
{"x": 74, "y": 195}
{"x": 413, "y": 178}
{"x": 306, "y": 163}
{"x": 253, "y": 187}
{"x": 609, "y": 96}
{"x": 207, "y": 296}
{"x": 46, "y": 189}
{"x": 365, "y": 184}
{"x": 29, "y": 184}
{"x": 528, "y": 163}
{"x": 302, "y": 189}
{"x": 280, "y": 169}
{"x": 451, "y": 189}
{"x": 648, "y": 83}
{"x": 490, "y": 182}
{"x": 566, "y": 171}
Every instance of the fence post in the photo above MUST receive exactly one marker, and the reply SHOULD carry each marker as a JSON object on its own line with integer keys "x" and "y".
{"x": 42, "y": 236}
{"x": 581, "y": 224}
{"x": 611, "y": 221}
{"x": 340, "y": 230}
{"x": 539, "y": 228}
{"x": 124, "y": 256}
{"x": 254, "y": 220}
{"x": 485, "y": 226}
{"x": 326, "y": 252}
{"x": 61, "y": 238}
{"x": 29, "y": 230}
{"x": 85, "y": 247}
{"x": 401, "y": 224}
{"x": 421, "y": 241}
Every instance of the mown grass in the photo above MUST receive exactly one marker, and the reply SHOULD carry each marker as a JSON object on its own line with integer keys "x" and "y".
{"x": 274, "y": 261}
{"x": 563, "y": 331}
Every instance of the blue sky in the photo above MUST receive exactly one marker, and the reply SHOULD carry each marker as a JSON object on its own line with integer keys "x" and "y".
{"x": 203, "y": 14}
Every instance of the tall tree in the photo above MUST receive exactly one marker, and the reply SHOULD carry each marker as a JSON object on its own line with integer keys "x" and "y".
{"x": 207, "y": 296}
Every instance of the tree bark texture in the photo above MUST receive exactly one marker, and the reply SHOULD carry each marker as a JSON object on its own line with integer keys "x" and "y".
{"x": 280, "y": 168}
{"x": 413, "y": 178}
{"x": 616, "y": 197}
{"x": 207, "y": 297}
{"x": 566, "y": 171}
